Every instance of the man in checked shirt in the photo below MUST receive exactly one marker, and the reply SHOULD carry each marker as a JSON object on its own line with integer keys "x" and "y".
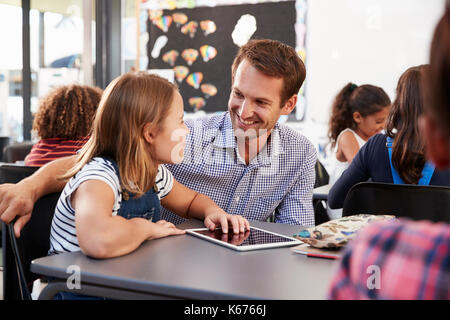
{"x": 243, "y": 159}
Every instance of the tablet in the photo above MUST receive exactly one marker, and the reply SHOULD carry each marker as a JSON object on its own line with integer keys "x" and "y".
{"x": 252, "y": 239}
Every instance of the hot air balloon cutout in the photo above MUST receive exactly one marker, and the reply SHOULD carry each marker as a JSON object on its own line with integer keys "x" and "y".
{"x": 208, "y": 89}
{"x": 181, "y": 72}
{"x": 190, "y": 27}
{"x": 163, "y": 22}
{"x": 197, "y": 102}
{"x": 189, "y": 55}
{"x": 170, "y": 57}
{"x": 179, "y": 19}
{"x": 208, "y": 27}
{"x": 208, "y": 52}
{"x": 154, "y": 14}
{"x": 194, "y": 79}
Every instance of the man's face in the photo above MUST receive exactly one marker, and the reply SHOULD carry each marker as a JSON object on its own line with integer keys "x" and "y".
{"x": 254, "y": 103}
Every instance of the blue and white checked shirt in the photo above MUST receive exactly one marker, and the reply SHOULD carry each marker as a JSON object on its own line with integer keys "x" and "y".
{"x": 281, "y": 178}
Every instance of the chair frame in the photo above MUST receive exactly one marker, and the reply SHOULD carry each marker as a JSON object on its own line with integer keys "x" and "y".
{"x": 410, "y": 201}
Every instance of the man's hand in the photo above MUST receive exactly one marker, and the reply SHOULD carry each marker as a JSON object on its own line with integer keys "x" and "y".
{"x": 16, "y": 200}
{"x": 218, "y": 217}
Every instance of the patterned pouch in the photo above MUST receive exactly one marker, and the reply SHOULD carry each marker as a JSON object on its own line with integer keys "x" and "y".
{"x": 336, "y": 233}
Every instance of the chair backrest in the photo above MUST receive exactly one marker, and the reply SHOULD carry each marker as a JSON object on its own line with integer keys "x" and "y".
{"x": 16, "y": 152}
{"x": 412, "y": 201}
{"x": 322, "y": 176}
{"x": 33, "y": 243}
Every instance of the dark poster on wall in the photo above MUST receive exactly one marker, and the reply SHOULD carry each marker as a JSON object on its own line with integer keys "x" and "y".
{"x": 199, "y": 44}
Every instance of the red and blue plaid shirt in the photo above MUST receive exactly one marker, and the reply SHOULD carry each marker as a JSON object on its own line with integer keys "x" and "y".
{"x": 401, "y": 260}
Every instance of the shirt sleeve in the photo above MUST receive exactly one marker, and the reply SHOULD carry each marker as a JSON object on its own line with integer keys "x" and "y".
{"x": 164, "y": 181}
{"x": 296, "y": 208}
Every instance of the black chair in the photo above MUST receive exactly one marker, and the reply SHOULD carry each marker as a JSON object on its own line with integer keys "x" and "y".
{"x": 412, "y": 201}
{"x": 322, "y": 178}
{"x": 17, "y": 151}
{"x": 33, "y": 243}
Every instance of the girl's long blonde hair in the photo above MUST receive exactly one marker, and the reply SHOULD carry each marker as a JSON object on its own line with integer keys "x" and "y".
{"x": 128, "y": 103}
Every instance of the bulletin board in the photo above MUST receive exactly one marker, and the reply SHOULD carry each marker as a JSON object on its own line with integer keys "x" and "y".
{"x": 203, "y": 73}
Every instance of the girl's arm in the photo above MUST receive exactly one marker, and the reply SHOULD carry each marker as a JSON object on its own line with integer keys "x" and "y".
{"x": 188, "y": 203}
{"x": 102, "y": 235}
{"x": 348, "y": 147}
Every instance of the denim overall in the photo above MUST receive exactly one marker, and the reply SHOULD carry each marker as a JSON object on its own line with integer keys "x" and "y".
{"x": 147, "y": 206}
{"x": 427, "y": 171}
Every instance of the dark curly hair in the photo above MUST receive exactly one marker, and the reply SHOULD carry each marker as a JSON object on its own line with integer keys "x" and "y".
{"x": 67, "y": 112}
{"x": 365, "y": 99}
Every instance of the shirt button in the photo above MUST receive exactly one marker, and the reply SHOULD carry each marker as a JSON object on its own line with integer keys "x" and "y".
{"x": 236, "y": 199}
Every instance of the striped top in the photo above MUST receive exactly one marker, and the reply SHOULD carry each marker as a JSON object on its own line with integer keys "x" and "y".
{"x": 63, "y": 234}
{"x": 46, "y": 150}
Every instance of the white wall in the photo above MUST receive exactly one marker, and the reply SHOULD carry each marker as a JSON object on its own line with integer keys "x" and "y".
{"x": 362, "y": 41}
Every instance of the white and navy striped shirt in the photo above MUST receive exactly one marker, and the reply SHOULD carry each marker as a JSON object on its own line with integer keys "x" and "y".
{"x": 280, "y": 179}
{"x": 63, "y": 234}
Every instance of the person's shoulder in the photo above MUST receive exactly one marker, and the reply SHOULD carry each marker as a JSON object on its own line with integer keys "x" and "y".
{"x": 99, "y": 165}
{"x": 403, "y": 230}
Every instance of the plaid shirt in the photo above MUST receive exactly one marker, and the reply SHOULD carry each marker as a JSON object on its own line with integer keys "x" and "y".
{"x": 280, "y": 178}
{"x": 400, "y": 260}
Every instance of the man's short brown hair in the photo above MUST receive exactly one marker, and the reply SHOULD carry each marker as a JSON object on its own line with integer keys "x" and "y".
{"x": 274, "y": 59}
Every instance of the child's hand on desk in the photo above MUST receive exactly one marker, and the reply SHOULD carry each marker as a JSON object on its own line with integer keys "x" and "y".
{"x": 162, "y": 229}
{"x": 218, "y": 217}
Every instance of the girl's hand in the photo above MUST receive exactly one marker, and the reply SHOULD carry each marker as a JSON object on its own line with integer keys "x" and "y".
{"x": 163, "y": 228}
{"x": 218, "y": 217}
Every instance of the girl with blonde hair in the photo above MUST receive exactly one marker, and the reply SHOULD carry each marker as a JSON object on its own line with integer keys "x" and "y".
{"x": 111, "y": 203}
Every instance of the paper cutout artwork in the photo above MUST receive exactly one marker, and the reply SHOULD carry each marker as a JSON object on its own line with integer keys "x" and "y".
{"x": 208, "y": 52}
{"x": 154, "y": 14}
{"x": 197, "y": 102}
{"x": 179, "y": 19}
{"x": 163, "y": 22}
{"x": 170, "y": 57}
{"x": 244, "y": 29}
{"x": 190, "y": 27}
{"x": 159, "y": 44}
{"x": 181, "y": 72}
{"x": 189, "y": 55}
{"x": 208, "y": 89}
{"x": 208, "y": 26}
{"x": 194, "y": 79}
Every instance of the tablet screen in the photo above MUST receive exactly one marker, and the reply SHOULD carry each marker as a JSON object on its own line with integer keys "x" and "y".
{"x": 250, "y": 237}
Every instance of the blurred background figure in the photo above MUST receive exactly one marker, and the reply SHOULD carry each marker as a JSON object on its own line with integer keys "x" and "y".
{"x": 63, "y": 122}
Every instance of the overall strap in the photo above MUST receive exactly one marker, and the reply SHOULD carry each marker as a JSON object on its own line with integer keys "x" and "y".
{"x": 427, "y": 171}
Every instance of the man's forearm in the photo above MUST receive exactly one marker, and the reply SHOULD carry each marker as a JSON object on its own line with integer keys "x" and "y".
{"x": 46, "y": 179}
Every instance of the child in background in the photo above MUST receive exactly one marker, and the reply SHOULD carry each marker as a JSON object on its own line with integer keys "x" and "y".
{"x": 358, "y": 113}
{"x": 63, "y": 122}
{"x": 111, "y": 203}
{"x": 399, "y": 155}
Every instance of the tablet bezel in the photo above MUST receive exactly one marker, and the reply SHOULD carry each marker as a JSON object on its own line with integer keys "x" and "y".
{"x": 292, "y": 241}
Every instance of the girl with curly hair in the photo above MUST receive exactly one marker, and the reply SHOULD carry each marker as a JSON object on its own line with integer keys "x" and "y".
{"x": 63, "y": 122}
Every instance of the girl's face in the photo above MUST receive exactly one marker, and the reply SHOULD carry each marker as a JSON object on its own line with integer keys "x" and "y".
{"x": 371, "y": 124}
{"x": 170, "y": 139}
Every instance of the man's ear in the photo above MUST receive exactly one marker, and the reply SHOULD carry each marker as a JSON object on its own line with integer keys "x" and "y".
{"x": 357, "y": 117}
{"x": 289, "y": 105}
{"x": 436, "y": 142}
{"x": 149, "y": 132}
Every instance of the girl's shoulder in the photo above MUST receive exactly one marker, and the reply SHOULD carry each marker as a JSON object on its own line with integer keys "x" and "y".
{"x": 98, "y": 166}
{"x": 163, "y": 181}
